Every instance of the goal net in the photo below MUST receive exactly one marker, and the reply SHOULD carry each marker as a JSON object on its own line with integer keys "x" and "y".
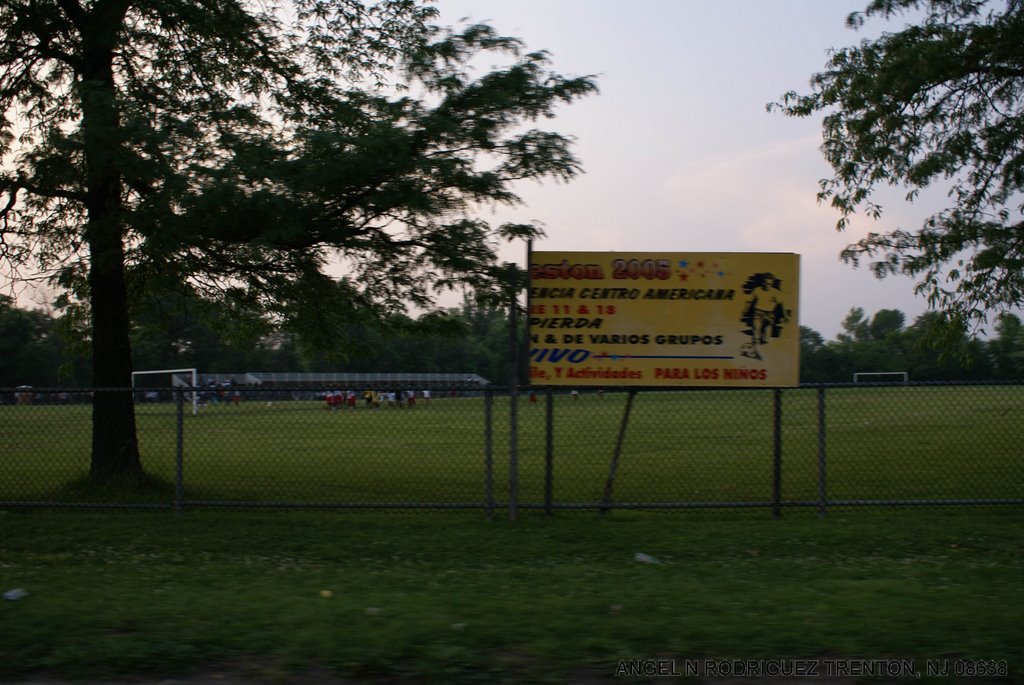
{"x": 158, "y": 386}
{"x": 881, "y": 377}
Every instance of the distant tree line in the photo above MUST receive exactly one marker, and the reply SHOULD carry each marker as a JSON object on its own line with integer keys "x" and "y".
{"x": 883, "y": 342}
{"x": 37, "y": 349}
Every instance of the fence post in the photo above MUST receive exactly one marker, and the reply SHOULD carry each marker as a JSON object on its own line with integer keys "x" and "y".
{"x": 179, "y": 457}
{"x": 777, "y": 457}
{"x": 489, "y": 453}
{"x": 513, "y": 456}
{"x": 822, "y": 497}
{"x": 549, "y": 450}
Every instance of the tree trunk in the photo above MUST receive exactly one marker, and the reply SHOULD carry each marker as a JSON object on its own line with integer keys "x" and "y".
{"x": 115, "y": 449}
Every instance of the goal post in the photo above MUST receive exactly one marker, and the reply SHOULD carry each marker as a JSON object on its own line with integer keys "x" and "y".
{"x": 881, "y": 377}
{"x": 172, "y": 378}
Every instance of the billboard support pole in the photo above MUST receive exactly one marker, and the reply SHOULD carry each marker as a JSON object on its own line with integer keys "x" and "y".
{"x": 513, "y": 418}
{"x": 614, "y": 467}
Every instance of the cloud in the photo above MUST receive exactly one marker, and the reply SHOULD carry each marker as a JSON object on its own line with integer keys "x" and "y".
{"x": 757, "y": 200}
{"x": 764, "y": 200}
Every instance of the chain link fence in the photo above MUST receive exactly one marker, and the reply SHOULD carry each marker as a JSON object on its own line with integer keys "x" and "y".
{"x": 814, "y": 447}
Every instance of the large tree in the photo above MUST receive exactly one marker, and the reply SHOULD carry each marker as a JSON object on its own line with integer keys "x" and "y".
{"x": 229, "y": 149}
{"x": 939, "y": 102}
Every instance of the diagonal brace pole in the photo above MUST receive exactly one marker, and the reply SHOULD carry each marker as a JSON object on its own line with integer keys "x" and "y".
{"x": 609, "y": 485}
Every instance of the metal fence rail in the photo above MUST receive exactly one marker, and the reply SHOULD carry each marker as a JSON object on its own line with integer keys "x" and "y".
{"x": 302, "y": 446}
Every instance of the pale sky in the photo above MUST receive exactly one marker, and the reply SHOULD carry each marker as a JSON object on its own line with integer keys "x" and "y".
{"x": 678, "y": 150}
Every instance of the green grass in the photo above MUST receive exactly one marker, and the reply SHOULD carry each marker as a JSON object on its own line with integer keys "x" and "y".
{"x": 715, "y": 446}
{"x": 450, "y": 598}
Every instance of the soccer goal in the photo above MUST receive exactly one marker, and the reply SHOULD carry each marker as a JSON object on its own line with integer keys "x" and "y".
{"x": 149, "y": 384}
{"x": 881, "y": 377}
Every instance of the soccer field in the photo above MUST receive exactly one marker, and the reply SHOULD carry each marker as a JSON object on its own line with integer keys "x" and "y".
{"x": 695, "y": 447}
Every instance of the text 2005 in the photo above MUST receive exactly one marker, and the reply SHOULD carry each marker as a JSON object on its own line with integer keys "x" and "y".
{"x": 635, "y": 269}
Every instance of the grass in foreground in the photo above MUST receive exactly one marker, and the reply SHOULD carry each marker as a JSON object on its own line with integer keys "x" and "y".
{"x": 453, "y": 598}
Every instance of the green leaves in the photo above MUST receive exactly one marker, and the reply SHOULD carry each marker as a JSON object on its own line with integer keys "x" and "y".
{"x": 937, "y": 103}
{"x": 255, "y": 144}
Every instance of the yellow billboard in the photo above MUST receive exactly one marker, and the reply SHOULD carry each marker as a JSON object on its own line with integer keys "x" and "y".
{"x": 723, "y": 319}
